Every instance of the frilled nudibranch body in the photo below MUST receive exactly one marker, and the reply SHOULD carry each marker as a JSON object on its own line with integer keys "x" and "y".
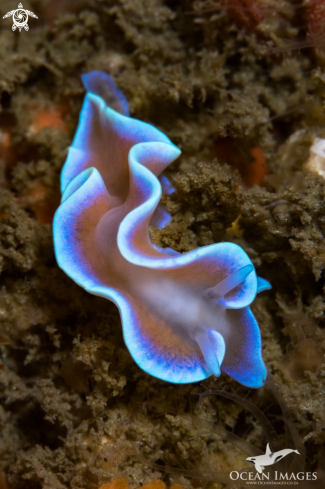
{"x": 184, "y": 316}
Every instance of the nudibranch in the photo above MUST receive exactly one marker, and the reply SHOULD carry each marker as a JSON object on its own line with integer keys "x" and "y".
{"x": 184, "y": 316}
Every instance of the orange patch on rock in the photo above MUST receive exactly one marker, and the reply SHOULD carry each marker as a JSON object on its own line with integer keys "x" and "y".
{"x": 252, "y": 173}
{"x": 154, "y": 484}
{"x": 3, "y": 484}
{"x": 43, "y": 203}
{"x": 246, "y": 12}
{"x": 37, "y": 193}
{"x": 316, "y": 28}
{"x": 47, "y": 118}
{"x": 6, "y": 151}
{"x": 257, "y": 170}
{"x": 119, "y": 483}
{"x": 316, "y": 15}
{"x": 5, "y": 140}
{"x": 44, "y": 211}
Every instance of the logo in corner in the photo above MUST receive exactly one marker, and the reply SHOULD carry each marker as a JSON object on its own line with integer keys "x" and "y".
{"x": 20, "y": 18}
{"x": 269, "y": 458}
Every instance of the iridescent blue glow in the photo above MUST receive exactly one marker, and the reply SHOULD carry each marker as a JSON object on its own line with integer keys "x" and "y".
{"x": 101, "y": 84}
{"x": 184, "y": 316}
{"x": 166, "y": 186}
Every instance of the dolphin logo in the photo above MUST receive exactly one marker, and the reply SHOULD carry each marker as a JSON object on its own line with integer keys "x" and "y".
{"x": 269, "y": 458}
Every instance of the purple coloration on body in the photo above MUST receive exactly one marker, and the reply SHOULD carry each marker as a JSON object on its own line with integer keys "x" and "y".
{"x": 184, "y": 316}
